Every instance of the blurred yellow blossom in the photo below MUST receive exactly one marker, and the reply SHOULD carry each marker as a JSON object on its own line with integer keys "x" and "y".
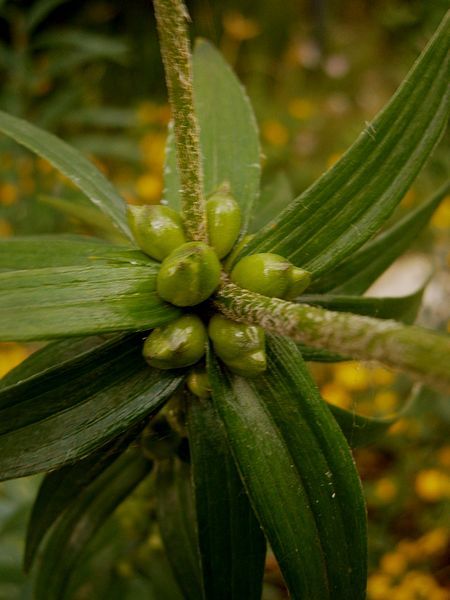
{"x": 393, "y": 563}
{"x": 382, "y": 376}
{"x": 432, "y": 485}
{"x": 300, "y": 108}
{"x": 385, "y": 489}
{"x": 435, "y": 541}
{"x": 336, "y": 394}
{"x": 149, "y": 187}
{"x": 408, "y": 199}
{"x": 6, "y": 229}
{"x": 152, "y": 148}
{"x": 239, "y": 27}
{"x": 378, "y": 586}
{"x": 147, "y": 113}
{"x": 443, "y": 456}
{"x": 386, "y": 401}
{"x": 44, "y": 166}
{"x": 8, "y": 194}
{"x": 11, "y": 354}
{"x": 275, "y": 132}
{"x": 352, "y": 375}
{"x": 441, "y": 217}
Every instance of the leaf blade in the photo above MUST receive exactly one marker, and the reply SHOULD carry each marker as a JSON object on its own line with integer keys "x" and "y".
{"x": 71, "y": 163}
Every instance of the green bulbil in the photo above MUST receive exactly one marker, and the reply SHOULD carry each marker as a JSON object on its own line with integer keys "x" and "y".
{"x": 198, "y": 383}
{"x": 224, "y": 220}
{"x": 241, "y": 347}
{"x": 157, "y": 229}
{"x": 270, "y": 275}
{"x": 189, "y": 275}
{"x": 179, "y": 344}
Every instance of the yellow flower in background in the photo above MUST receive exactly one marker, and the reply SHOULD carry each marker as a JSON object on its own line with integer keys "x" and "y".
{"x": 149, "y": 187}
{"x": 44, "y": 166}
{"x": 385, "y": 489}
{"x": 441, "y": 217}
{"x": 6, "y": 229}
{"x": 382, "y": 376}
{"x": 393, "y": 563}
{"x": 239, "y": 27}
{"x": 435, "y": 541}
{"x": 386, "y": 401}
{"x": 336, "y": 394}
{"x": 275, "y": 133}
{"x": 11, "y": 354}
{"x": 8, "y": 194}
{"x": 153, "y": 147}
{"x": 301, "y": 108}
{"x": 443, "y": 456}
{"x": 432, "y": 485}
{"x": 378, "y": 586}
{"x": 352, "y": 375}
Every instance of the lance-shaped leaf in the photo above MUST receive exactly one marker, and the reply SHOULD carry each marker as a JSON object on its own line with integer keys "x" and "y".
{"x": 61, "y": 488}
{"x": 63, "y": 288}
{"x": 71, "y": 163}
{"x": 350, "y": 202}
{"x": 274, "y": 197}
{"x": 401, "y": 308}
{"x": 357, "y": 273}
{"x": 67, "y": 413}
{"x": 228, "y": 133}
{"x": 176, "y": 520}
{"x": 76, "y": 526}
{"x": 232, "y": 546}
{"x": 299, "y": 474}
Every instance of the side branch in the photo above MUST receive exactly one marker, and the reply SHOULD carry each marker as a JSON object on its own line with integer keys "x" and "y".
{"x": 171, "y": 17}
{"x": 423, "y": 354}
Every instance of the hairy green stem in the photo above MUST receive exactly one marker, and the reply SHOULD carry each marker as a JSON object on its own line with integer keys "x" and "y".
{"x": 423, "y": 354}
{"x": 171, "y": 17}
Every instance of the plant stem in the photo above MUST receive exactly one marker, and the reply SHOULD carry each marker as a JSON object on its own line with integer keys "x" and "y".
{"x": 421, "y": 353}
{"x": 171, "y": 17}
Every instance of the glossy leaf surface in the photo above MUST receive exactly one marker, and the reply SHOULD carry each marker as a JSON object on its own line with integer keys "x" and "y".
{"x": 350, "y": 202}
{"x": 232, "y": 546}
{"x": 228, "y": 133}
{"x": 176, "y": 520}
{"x": 66, "y": 288}
{"x": 65, "y": 414}
{"x": 299, "y": 473}
{"x": 358, "y": 272}
{"x": 71, "y": 163}
{"x": 77, "y": 525}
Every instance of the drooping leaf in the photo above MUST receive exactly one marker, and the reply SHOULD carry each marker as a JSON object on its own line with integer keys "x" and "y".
{"x": 71, "y": 163}
{"x": 400, "y": 308}
{"x": 66, "y": 413}
{"x": 176, "y": 520}
{"x": 228, "y": 133}
{"x": 61, "y": 488}
{"x": 351, "y": 201}
{"x": 39, "y": 11}
{"x": 59, "y": 288}
{"x": 76, "y": 526}
{"x": 232, "y": 546}
{"x": 357, "y": 273}
{"x": 299, "y": 474}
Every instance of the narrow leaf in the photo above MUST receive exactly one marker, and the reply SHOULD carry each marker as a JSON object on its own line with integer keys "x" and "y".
{"x": 76, "y": 288}
{"x": 228, "y": 133}
{"x": 400, "y": 308}
{"x": 71, "y": 163}
{"x": 274, "y": 198}
{"x": 65, "y": 414}
{"x": 357, "y": 273}
{"x": 232, "y": 546}
{"x": 350, "y": 202}
{"x": 61, "y": 488}
{"x": 176, "y": 520}
{"x": 299, "y": 474}
{"x": 67, "y": 540}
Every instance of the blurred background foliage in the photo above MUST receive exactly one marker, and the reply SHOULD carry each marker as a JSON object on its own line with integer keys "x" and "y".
{"x": 316, "y": 71}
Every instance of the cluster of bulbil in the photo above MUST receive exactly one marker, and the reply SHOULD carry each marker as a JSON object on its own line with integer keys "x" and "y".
{"x": 190, "y": 273}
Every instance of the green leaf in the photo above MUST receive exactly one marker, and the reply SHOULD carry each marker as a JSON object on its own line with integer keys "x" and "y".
{"x": 176, "y": 520}
{"x": 299, "y": 474}
{"x": 274, "y": 197}
{"x": 66, "y": 413}
{"x": 232, "y": 546}
{"x": 71, "y": 163}
{"x": 320, "y": 355}
{"x": 228, "y": 133}
{"x": 358, "y": 272}
{"x": 350, "y": 202}
{"x": 76, "y": 288}
{"x": 76, "y": 526}
{"x": 400, "y": 308}
{"x": 61, "y": 488}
